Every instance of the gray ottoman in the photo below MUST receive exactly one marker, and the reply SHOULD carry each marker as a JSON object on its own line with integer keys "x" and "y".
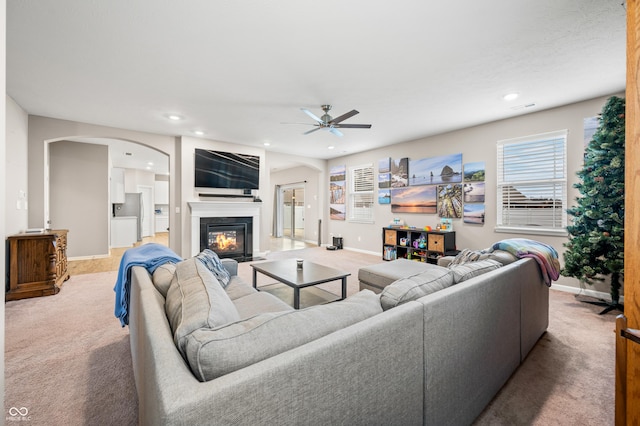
{"x": 377, "y": 277}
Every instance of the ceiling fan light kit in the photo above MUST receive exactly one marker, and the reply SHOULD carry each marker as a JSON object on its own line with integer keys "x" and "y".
{"x": 333, "y": 124}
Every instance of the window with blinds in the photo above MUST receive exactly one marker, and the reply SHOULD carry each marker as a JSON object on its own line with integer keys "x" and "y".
{"x": 361, "y": 199}
{"x": 532, "y": 184}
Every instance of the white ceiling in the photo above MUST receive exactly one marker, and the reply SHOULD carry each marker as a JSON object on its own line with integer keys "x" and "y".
{"x": 239, "y": 69}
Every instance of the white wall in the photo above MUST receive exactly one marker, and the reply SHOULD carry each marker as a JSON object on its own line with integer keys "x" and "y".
{"x": 80, "y": 205}
{"x": 476, "y": 144}
{"x": 16, "y": 168}
{"x": 43, "y": 130}
{"x": 134, "y": 177}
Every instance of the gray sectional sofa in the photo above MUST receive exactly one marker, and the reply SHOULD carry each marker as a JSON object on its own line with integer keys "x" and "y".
{"x": 437, "y": 360}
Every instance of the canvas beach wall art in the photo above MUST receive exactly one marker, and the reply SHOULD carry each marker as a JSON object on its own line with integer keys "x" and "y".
{"x": 384, "y": 165}
{"x": 474, "y": 172}
{"x": 384, "y": 196}
{"x": 436, "y": 170}
{"x": 399, "y": 172}
{"x": 450, "y": 200}
{"x": 337, "y": 191}
{"x": 474, "y": 214}
{"x": 414, "y": 199}
{"x": 474, "y": 192}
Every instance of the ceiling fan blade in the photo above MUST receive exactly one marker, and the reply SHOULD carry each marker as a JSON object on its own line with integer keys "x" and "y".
{"x": 312, "y": 130}
{"x": 344, "y": 117}
{"x": 335, "y": 131}
{"x": 353, "y": 126}
{"x": 312, "y": 115}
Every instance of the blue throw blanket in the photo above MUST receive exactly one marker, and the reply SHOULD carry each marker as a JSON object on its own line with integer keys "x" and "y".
{"x": 148, "y": 255}
{"x": 544, "y": 254}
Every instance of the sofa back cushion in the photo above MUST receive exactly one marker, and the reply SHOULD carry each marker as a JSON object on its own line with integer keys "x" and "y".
{"x": 415, "y": 286}
{"x": 501, "y": 256}
{"x": 195, "y": 299}
{"x": 162, "y": 277}
{"x": 472, "y": 269}
{"x": 213, "y": 352}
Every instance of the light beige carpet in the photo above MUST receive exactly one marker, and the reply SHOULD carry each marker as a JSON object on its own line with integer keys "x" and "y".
{"x": 68, "y": 362}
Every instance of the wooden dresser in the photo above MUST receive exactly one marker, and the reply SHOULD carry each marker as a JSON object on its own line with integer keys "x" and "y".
{"x": 37, "y": 264}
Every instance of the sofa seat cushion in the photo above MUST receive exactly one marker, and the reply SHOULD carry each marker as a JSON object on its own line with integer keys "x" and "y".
{"x": 468, "y": 270}
{"x": 238, "y": 288}
{"x": 259, "y": 302}
{"x": 162, "y": 277}
{"x": 195, "y": 299}
{"x": 214, "y": 352}
{"x": 381, "y": 275}
{"x": 415, "y": 286}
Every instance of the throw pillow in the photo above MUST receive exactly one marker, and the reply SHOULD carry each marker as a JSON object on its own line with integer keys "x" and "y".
{"x": 214, "y": 352}
{"x": 472, "y": 269}
{"x": 162, "y": 277}
{"x": 415, "y": 286}
{"x": 210, "y": 259}
{"x": 465, "y": 256}
{"x": 195, "y": 299}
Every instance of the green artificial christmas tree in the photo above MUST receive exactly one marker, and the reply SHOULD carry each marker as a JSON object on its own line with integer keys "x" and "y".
{"x": 596, "y": 238}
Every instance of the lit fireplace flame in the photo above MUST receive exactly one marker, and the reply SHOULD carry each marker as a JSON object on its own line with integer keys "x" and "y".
{"x": 224, "y": 243}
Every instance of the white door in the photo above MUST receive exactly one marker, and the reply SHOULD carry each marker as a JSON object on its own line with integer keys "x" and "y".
{"x": 147, "y": 210}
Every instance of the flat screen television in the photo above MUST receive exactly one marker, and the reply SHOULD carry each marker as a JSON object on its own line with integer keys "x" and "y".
{"x": 216, "y": 169}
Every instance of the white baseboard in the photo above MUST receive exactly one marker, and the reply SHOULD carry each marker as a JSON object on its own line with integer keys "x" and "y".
{"x": 591, "y": 293}
{"x": 374, "y": 253}
{"x": 97, "y": 256}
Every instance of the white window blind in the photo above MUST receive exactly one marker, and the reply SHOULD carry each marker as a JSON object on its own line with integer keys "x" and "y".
{"x": 532, "y": 184}
{"x": 360, "y": 207}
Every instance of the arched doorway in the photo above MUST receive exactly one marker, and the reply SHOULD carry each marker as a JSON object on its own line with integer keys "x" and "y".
{"x": 80, "y": 196}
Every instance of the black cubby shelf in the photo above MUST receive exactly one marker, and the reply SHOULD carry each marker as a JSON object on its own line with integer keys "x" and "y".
{"x": 416, "y": 244}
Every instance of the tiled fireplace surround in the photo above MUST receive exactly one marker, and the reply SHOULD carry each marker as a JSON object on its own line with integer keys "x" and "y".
{"x": 206, "y": 209}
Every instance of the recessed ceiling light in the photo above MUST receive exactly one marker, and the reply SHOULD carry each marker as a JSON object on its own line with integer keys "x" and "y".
{"x": 267, "y": 144}
{"x": 174, "y": 117}
{"x": 149, "y": 163}
{"x": 510, "y": 96}
{"x": 198, "y": 132}
{"x": 330, "y": 147}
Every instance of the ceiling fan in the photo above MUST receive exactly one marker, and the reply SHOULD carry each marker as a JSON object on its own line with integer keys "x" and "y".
{"x": 333, "y": 124}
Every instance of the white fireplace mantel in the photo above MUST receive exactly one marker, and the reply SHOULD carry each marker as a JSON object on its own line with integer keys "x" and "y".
{"x": 200, "y": 209}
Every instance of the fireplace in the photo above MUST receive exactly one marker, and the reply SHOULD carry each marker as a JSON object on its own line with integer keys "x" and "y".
{"x": 224, "y": 210}
{"x": 228, "y": 237}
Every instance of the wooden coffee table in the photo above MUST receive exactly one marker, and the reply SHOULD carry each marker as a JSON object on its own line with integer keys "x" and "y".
{"x": 311, "y": 274}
